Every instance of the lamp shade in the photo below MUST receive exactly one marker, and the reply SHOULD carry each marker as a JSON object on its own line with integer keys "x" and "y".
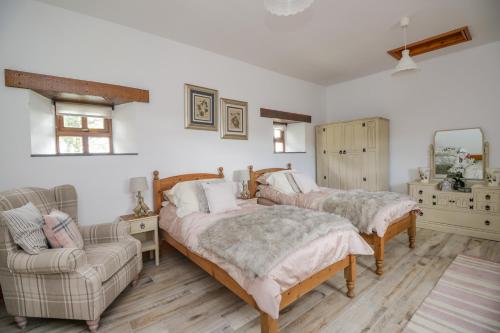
{"x": 138, "y": 184}
{"x": 406, "y": 63}
{"x": 241, "y": 176}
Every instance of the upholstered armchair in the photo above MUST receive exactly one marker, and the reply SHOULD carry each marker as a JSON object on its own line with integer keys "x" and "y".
{"x": 65, "y": 283}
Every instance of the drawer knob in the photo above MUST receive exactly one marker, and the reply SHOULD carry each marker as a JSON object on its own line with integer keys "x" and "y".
{"x": 471, "y": 199}
{"x": 487, "y": 197}
{"x": 471, "y": 207}
{"x": 421, "y": 213}
{"x": 324, "y": 177}
{"x": 364, "y": 179}
{"x": 434, "y": 204}
{"x": 324, "y": 151}
{"x": 420, "y": 192}
{"x": 340, "y": 152}
{"x": 142, "y": 225}
{"x": 487, "y": 222}
{"x": 434, "y": 196}
{"x": 344, "y": 152}
{"x": 420, "y": 200}
{"x": 487, "y": 207}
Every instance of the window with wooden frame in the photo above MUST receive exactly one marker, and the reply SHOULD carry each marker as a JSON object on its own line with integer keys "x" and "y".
{"x": 83, "y": 129}
{"x": 279, "y": 137}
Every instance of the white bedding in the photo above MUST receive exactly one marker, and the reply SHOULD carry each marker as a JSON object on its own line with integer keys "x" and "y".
{"x": 266, "y": 291}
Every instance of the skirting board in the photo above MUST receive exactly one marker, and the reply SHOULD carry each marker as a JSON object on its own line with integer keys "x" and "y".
{"x": 444, "y": 227}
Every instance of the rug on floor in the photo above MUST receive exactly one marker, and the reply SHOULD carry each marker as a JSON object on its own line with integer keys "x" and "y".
{"x": 465, "y": 299}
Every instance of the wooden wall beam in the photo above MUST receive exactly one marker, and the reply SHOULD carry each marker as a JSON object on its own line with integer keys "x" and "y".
{"x": 268, "y": 113}
{"x": 66, "y": 89}
{"x": 440, "y": 41}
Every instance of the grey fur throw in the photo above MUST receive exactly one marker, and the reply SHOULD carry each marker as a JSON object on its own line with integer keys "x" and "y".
{"x": 359, "y": 206}
{"x": 259, "y": 241}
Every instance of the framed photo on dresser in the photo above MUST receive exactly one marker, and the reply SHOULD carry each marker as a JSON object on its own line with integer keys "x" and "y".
{"x": 201, "y": 108}
{"x": 234, "y": 119}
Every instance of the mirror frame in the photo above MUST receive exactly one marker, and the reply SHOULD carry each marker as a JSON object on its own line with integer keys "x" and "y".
{"x": 486, "y": 149}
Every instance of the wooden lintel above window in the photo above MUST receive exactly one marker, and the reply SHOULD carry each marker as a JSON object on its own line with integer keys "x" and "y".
{"x": 446, "y": 39}
{"x": 73, "y": 90}
{"x": 297, "y": 117}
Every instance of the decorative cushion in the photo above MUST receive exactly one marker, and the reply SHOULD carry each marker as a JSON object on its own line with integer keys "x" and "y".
{"x": 108, "y": 258}
{"x": 279, "y": 182}
{"x": 220, "y": 197}
{"x": 305, "y": 183}
{"x": 189, "y": 196}
{"x": 292, "y": 182}
{"x": 61, "y": 231}
{"x": 263, "y": 179}
{"x": 25, "y": 226}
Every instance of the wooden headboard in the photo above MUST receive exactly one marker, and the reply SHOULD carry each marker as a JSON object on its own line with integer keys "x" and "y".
{"x": 161, "y": 185}
{"x": 252, "y": 184}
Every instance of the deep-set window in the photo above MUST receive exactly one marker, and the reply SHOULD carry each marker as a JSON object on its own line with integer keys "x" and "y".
{"x": 83, "y": 129}
{"x": 279, "y": 137}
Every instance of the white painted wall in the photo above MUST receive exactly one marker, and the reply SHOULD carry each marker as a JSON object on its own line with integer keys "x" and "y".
{"x": 40, "y": 38}
{"x": 295, "y": 137}
{"x": 42, "y": 124}
{"x": 459, "y": 90}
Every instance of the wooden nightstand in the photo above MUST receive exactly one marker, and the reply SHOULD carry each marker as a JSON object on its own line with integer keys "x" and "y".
{"x": 145, "y": 229}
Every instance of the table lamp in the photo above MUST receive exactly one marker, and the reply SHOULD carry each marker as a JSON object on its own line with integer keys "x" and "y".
{"x": 243, "y": 176}
{"x": 138, "y": 185}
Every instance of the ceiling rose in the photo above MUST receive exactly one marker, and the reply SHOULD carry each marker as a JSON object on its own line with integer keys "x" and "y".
{"x": 287, "y": 7}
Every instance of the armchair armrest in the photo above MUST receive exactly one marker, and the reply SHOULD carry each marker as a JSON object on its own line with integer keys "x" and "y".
{"x": 48, "y": 261}
{"x": 105, "y": 232}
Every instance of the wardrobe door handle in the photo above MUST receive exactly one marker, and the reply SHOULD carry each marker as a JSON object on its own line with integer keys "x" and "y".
{"x": 471, "y": 207}
{"x": 487, "y": 207}
{"x": 364, "y": 124}
{"x": 324, "y": 129}
{"x": 471, "y": 199}
{"x": 344, "y": 152}
{"x": 364, "y": 179}
{"x": 420, "y": 192}
{"x": 324, "y": 177}
{"x": 324, "y": 151}
{"x": 364, "y": 150}
{"x": 340, "y": 152}
{"x": 487, "y": 222}
{"x": 487, "y": 197}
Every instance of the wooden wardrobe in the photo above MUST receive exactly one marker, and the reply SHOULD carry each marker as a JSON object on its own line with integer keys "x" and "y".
{"x": 353, "y": 154}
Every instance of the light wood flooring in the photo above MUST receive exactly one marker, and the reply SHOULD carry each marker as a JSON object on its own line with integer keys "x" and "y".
{"x": 177, "y": 296}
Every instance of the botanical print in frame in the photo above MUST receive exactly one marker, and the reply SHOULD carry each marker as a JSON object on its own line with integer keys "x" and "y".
{"x": 200, "y": 108}
{"x": 234, "y": 119}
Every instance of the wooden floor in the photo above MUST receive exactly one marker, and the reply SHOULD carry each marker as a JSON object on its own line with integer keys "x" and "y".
{"x": 179, "y": 297}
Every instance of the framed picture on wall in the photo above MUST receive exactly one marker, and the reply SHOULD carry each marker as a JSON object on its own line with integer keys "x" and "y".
{"x": 200, "y": 108}
{"x": 234, "y": 119}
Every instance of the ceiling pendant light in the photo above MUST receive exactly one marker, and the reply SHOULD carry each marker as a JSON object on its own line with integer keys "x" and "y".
{"x": 287, "y": 7}
{"x": 406, "y": 63}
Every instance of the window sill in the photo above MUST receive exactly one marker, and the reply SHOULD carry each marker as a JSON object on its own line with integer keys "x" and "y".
{"x": 72, "y": 155}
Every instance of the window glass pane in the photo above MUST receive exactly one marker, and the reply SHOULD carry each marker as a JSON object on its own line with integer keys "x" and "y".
{"x": 95, "y": 123}
{"x": 277, "y": 133}
{"x": 70, "y": 145}
{"x": 278, "y": 147}
{"x": 99, "y": 145}
{"x": 72, "y": 121}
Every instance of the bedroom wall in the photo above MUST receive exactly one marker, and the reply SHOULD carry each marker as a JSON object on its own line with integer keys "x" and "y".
{"x": 459, "y": 90}
{"x": 40, "y": 38}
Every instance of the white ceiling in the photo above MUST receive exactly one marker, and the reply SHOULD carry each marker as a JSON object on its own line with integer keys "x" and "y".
{"x": 331, "y": 42}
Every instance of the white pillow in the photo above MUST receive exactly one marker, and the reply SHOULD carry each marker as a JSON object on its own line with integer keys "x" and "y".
{"x": 220, "y": 197}
{"x": 305, "y": 183}
{"x": 189, "y": 196}
{"x": 280, "y": 183}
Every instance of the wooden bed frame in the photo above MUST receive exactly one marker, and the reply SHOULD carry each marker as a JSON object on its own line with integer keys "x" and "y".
{"x": 405, "y": 223}
{"x": 268, "y": 324}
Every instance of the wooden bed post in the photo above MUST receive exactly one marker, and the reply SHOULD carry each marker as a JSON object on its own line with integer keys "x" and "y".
{"x": 378, "y": 244}
{"x": 412, "y": 230}
{"x": 268, "y": 324}
{"x": 350, "y": 276}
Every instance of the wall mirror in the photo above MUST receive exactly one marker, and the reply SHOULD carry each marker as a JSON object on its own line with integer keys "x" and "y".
{"x": 461, "y": 150}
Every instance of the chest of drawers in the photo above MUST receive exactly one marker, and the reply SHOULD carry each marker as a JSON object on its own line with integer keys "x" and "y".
{"x": 475, "y": 214}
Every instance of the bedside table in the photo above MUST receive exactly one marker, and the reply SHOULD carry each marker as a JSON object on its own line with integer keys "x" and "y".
{"x": 145, "y": 229}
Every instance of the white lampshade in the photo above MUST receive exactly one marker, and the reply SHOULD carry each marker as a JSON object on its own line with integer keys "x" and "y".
{"x": 406, "y": 63}
{"x": 138, "y": 184}
{"x": 241, "y": 176}
{"x": 287, "y": 7}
